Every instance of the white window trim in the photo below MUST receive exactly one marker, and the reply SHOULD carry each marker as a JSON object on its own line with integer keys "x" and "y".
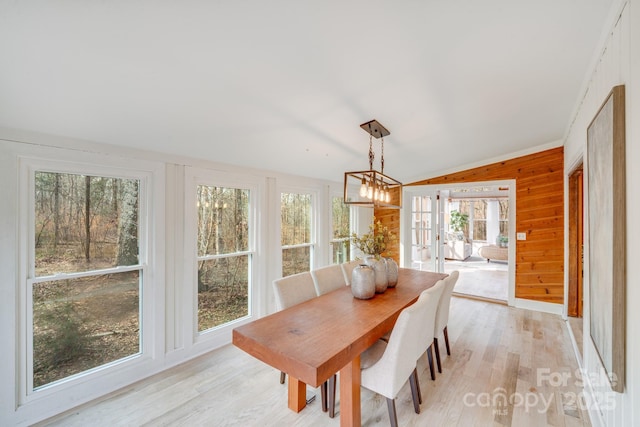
{"x": 196, "y": 342}
{"x": 97, "y": 381}
{"x": 317, "y": 257}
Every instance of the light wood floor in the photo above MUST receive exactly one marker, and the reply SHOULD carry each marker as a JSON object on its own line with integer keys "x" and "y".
{"x": 481, "y": 278}
{"x": 496, "y": 351}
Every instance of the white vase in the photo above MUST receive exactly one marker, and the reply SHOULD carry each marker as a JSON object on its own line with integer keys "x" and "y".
{"x": 380, "y": 269}
{"x": 363, "y": 285}
{"x": 392, "y": 272}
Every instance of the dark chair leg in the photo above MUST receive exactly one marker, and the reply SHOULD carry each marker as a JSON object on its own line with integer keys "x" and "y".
{"x": 430, "y": 357}
{"x": 446, "y": 341}
{"x": 437, "y": 352}
{"x": 393, "y": 418}
{"x": 282, "y": 376}
{"x": 323, "y": 393}
{"x": 416, "y": 395}
{"x": 332, "y": 396}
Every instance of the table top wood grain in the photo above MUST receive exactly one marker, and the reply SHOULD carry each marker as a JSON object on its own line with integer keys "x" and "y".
{"x": 315, "y": 339}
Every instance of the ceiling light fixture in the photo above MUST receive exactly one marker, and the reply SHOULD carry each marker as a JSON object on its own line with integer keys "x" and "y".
{"x": 372, "y": 188}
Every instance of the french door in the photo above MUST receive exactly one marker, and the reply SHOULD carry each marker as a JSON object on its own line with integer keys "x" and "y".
{"x": 425, "y": 223}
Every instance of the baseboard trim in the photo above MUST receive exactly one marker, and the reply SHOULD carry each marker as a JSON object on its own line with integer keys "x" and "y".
{"x": 479, "y": 298}
{"x": 545, "y": 307}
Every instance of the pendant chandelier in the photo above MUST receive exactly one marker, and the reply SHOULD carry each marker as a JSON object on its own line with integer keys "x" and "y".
{"x": 372, "y": 188}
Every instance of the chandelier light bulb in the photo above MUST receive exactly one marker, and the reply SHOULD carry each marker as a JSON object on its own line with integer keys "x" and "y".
{"x": 363, "y": 188}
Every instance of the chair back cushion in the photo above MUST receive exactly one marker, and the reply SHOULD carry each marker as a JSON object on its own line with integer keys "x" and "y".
{"x": 391, "y": 371}
{"x": 347, "y": 269}
{"x": 327, "y": 279}
{"x": 294, "y": 289}
{"x": 427, "y": 332}
{"x": 442, "y": 316}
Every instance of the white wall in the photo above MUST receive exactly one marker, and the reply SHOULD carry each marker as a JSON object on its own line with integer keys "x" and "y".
{"x": 173, "y": 338}
{"x": 617, "y": 62}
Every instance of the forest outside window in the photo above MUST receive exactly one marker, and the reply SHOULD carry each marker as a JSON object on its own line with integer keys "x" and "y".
{"x": 85, "y": 276}
{"x": 223, "y": 255}
{"x": 340, "y": 238}
{"x": 295, "y": 226}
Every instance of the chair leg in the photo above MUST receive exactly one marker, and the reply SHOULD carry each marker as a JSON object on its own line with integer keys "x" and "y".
{"x": 282, "y": 376}
{"x": 430, "y": 357}
{"x": 437, "y": 351}
{"x": 446, "y": 341}
{"x": 393, "y": 418}
{"x": 332, "y": 396}
{"x": 323, "y": 393}
{"x": 416, "y": 395}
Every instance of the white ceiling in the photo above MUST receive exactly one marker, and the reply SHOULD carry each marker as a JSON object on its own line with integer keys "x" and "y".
{"x": 284, "y": 84}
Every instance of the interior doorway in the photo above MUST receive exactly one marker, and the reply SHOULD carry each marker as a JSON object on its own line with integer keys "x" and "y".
{"x": 464, "y": 227}
{"x": 576, "y": 252}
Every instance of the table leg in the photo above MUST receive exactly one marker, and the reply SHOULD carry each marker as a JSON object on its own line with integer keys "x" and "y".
{"x": 350, "y": 394}
{"x": 297, "y": 394}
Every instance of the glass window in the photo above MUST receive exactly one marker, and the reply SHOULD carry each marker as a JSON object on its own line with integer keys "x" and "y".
{"x": 421, "y": 230}
{"x": 296, "y": 240}
{"x": 223, "y": 258}
{"x": 87, "y": 274}
{"x": 340, "y": 239}
{"x": 504, "y": 216}
{"x": 479, "y": 220}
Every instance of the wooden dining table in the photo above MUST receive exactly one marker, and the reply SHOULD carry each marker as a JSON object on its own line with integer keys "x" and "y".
{"x": 313, "y": 340}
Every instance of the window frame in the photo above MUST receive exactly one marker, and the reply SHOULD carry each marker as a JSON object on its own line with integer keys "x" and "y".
{"x": 151, "y": 223}
{"x": 337, "y": 195}
{"x": 315, "y": 207}
{"x": 219, "y": 335}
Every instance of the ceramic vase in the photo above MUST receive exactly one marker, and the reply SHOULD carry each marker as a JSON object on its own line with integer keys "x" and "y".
{"x": 392, "y": 272}
{"x": 363, "y": 285}
{"x": 380, "y": 269}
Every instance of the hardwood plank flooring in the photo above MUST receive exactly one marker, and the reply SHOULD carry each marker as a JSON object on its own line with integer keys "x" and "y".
{"x": 508, "y": 367}
{"x": 480, "y": 278}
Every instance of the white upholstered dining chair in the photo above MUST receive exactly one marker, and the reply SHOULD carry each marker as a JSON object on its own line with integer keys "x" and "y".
{"x": 292, "y": 290}
{"x": 327, "y": 279}
{"x": 386, "y": 366}
{"x": 442, "y": 317}
{"x": 347, "y": 269}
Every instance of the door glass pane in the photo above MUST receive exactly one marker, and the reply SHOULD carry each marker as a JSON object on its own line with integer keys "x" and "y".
{"x": 421, "y": 232}
{"x": 223, "y": 291}
{"x": 84, "y": 223}
{"x": 83, "y": 323}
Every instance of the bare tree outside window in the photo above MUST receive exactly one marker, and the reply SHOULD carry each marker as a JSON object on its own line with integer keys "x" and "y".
{"x": 85, "y": 313}
{"x": 295, "y": 211}
{"x": 340, "y": 240}
{"x": 223, "y": 258}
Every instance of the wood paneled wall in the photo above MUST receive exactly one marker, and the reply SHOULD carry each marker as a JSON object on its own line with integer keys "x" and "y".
{"x": 539, "y": 213}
